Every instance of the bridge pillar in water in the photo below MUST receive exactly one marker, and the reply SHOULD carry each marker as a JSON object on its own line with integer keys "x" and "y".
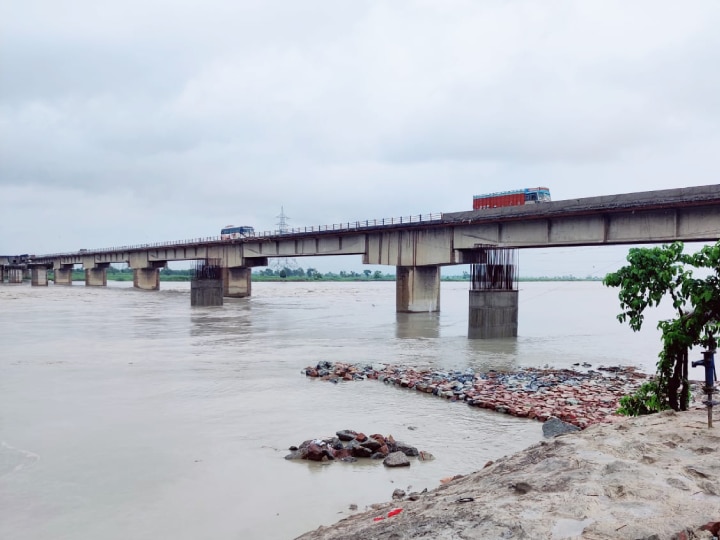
{"x": 96, "y": 274}
{"x": 38, "y": 277}
{"x": 206, "y": 292}
{"x": 15, "y": 275}
{"x": 237, "y": 282}
{"x": 493, "y": 304}
{"x": 206, "y": 287}
{"x": 147, "y": 279}
{"x": 63, "y": 274}
{"x": 493, "y": 314}
{"x": 417, "y": 289}
{"x": 2, "y": 273}
{"x": 146, "y": 273}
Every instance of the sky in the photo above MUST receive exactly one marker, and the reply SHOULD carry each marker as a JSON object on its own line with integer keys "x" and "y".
{"x": 145, "y": 121}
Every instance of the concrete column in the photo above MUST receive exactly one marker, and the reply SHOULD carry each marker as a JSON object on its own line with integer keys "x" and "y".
{"x": 96, "y": 275}
{"x": 237, "y": 282}
{"x": 63, "y": 274}
{"x": 15, "y": 276}
{"x": 38, "y": 277}
{"x": 417, "y": 289}
{"x": 2, "y": 274}
{"x": 493, "y": 314}
{"x": 147, "y": 279}
{"x": 206, "y": 292}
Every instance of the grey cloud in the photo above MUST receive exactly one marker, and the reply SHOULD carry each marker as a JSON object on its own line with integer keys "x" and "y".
{"x": 187, "y": 117}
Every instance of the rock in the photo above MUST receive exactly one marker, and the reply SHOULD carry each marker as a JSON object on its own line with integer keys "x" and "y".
{"x": 713, "y": 527}
{"x": 398, "y": 494}
{"x": 319, "y": 452}
{"x": 372, "y": 444}
{"x": 343, "y": 453}
{"x": 346, "y": 434}
{"x": 425, "y": 456}
{"x": 396, "y": 459}
{"x": 553, "y": 427}
{"x": 295, "y": 454}
{"x": 406, "y": 449}
{"x": 336, "y": 443}
{"x": 359, "y": 451}
{"x": 314, "y": 452}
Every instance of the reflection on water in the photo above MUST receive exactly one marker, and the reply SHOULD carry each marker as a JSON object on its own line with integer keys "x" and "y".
{"x": 417, "y": 325}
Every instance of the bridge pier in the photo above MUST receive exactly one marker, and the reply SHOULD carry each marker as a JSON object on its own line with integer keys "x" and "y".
{"x": 15, "y": 275}
{"x": 237, "y": 282}
{"x": 38, "y": 277}
{"x": 2, "y": 273}
{"x": 63, "y": 274}
{"x": 417, "y": 289}
{"x": 493, "y": 303}
{"x": 147, "y": 279}
{"x": 96, "y": 275}
{"x": 146, "y": 273}
{"x": 493, "y": 314}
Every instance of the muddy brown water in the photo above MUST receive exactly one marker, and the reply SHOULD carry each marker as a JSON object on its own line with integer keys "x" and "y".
{"x": 129, "y": 414}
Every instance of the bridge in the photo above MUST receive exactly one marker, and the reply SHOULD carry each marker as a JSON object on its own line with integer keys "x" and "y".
{"x": 417, "y": 246}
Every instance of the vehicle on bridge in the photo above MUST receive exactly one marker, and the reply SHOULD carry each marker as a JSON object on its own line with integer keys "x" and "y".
{"x": 516, "y": 197}
{"x": 231, "y": 232}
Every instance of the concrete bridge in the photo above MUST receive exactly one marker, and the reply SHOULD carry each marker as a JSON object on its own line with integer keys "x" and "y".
{"x": 417, "y": 246}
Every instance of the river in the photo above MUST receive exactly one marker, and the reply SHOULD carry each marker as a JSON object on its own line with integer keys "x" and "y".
{"x": 127, "y": 414}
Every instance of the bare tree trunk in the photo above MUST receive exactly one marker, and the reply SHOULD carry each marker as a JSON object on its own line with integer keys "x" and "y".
{"x": 674, "y": 384}
{"x": 685, "y": 389}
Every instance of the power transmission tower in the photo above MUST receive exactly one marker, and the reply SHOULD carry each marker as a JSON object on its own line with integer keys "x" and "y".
{"x": 278, "y": 264}
{"x": 283, "y": 222}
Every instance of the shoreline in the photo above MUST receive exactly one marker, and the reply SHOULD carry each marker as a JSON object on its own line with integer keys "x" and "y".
{"x": 648, "y": 478}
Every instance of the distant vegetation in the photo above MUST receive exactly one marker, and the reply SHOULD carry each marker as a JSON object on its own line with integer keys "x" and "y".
{"x": 299, "y": 274}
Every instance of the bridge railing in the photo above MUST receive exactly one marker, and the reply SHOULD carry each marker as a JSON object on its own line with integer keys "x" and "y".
{"x": 265, "y": 235}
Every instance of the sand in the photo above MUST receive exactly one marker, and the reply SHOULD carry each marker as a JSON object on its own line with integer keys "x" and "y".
{"x": 631, "y": 479}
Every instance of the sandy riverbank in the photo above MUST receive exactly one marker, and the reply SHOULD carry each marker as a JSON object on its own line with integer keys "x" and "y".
{"x": 631, "y": 479}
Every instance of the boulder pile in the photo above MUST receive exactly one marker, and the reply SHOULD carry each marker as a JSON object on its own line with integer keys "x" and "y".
{"x": 581, "y": 398}
{"x": 349, "y": 446}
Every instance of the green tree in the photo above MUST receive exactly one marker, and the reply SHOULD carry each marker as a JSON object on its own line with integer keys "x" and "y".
{"x": 367, "y": 273}
{"x": 657, "y": 273}
{"x": 377, "y": 274}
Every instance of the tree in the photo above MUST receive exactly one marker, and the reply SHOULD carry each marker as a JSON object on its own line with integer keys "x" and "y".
{"x": 659, "y": 272}
{"x": 367, "y": 273}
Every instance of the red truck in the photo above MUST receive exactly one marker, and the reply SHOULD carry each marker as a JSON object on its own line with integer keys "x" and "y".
{"x": 516, "y": 197}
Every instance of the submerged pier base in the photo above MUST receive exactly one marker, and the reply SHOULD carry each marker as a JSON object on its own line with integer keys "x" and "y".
{"x": 493, "y": 314}
{"x": 206, "y": 286}
{"x": 493, "y": 304}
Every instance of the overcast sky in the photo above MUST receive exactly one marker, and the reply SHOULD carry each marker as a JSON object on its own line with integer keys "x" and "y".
{"x": 135, "y": 121}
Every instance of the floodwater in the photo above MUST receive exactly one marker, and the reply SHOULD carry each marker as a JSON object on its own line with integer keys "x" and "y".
{"x": 127, "y": 414}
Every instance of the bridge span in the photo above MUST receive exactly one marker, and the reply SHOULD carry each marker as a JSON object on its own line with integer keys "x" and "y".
{"x": 417, "y": 246}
